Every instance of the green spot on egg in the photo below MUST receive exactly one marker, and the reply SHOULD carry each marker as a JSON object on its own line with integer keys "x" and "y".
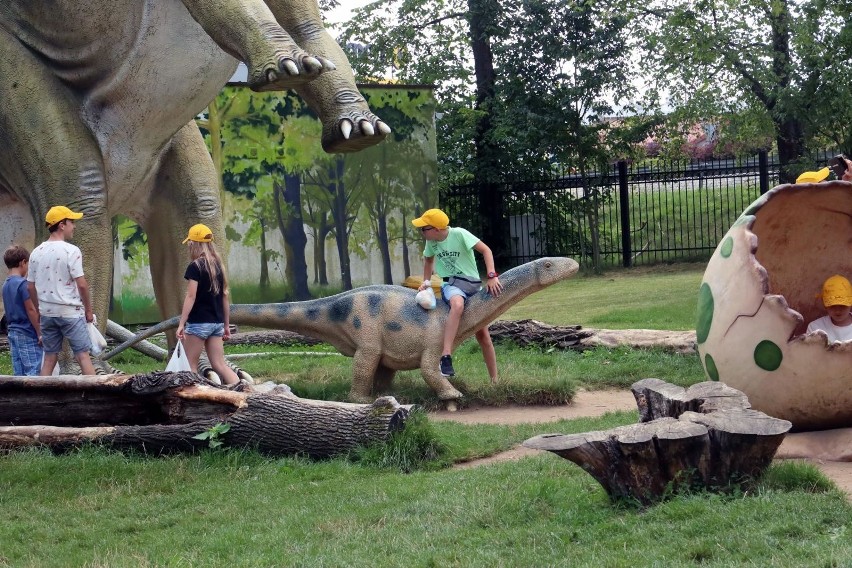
{"x": 710, "y": 366}
{"x": 767, "y": 355}
{"x": 727, "y": 247}
{"x": 705, "y": 313}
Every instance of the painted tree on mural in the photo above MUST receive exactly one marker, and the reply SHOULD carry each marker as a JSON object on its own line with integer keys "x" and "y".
{"x": 267, "y": 148}
{"x": 254, "y": 164}
{"x": 391, "y": 201}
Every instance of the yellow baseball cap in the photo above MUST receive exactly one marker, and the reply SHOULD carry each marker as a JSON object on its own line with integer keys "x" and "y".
{"x": 813, "y": 177}
{"x": 199, "y": 233}
{"x": 432, "y": 218}
{"x": 837, "y": 291}
{"x": 59, "y": 213}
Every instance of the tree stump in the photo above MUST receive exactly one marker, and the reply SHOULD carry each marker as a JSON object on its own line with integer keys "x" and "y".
{"x": 705, "y": 436}
{"x": 162, "y": 412}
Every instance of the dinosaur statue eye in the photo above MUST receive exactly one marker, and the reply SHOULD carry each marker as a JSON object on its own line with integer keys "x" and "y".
{"x": 548, "y": 264}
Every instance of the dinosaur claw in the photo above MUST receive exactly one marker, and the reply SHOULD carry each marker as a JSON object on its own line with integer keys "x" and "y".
{"x": 271, "y": 76}
{"x": 346, "y": 129}
{"x": 291, "y": 67}
{"x": 367, "y": 128}
{"x": 329, "y": 64}
{"x": 312, "y": 64}
{"x": 383, "y": 128}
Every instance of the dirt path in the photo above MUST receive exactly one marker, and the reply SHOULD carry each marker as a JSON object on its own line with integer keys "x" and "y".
{"x": 820, "y": 448}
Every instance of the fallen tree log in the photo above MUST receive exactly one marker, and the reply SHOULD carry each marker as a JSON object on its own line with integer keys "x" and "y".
{"x": 530, "y": 332}
{"x": 705, "y": 436}
{"x": 163, "y": 412}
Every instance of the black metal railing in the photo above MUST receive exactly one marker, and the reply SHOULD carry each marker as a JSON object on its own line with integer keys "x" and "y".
{"x": 632, "y": 213}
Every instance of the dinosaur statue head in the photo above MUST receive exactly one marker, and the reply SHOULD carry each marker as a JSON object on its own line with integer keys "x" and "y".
{"x": 518, "y": 283}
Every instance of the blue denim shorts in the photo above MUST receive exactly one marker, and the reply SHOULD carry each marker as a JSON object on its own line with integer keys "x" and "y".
{"x": 205, "y": 330}
{"x": 448, "y": 291}
{"x": 26, "y": 353}
{"x": 53, "y": 330}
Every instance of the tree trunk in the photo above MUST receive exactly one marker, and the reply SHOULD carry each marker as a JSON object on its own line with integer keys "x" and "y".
{"x": 406, "y": 263}
{"x": 791, "y": 147}
{"x": 384, "y": 248}
{"x": 705, "y": 437}
{"x": 486, "y": 167}
{"x": 163, "y": 412}
{"x": 341, "y": 225}
{"x": 264, "y": 258}
{"x": 319, "y": 252}
{"x": 294, "y": 236}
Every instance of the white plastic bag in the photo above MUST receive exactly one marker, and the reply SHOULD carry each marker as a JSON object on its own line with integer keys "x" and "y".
{"x": 98, "y": 341}
{"x": 179, "y": 361}
{"x": 426, "y": 298}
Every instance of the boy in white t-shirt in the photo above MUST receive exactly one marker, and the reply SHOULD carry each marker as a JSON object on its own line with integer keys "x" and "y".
{"x": 837, "y": 298}
{"x": 60, "y": 291}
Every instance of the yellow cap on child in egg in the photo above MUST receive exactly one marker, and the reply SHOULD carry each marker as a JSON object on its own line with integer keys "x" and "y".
{"x": 837, "y": 291}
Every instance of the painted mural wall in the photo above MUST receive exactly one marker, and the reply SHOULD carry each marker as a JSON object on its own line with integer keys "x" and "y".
{"x": 301, "y": 223}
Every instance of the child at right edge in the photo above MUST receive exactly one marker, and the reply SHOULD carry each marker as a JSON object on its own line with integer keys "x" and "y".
{"x": 449, "y": 251}
{"x": 21, "y": 314}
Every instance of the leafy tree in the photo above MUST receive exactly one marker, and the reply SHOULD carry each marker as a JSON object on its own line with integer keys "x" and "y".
{"x": 727, "y": 57}
{"x": 521, "y": 86}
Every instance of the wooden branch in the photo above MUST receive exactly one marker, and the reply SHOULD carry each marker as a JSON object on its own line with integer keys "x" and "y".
{"x": 705, "y": 436}
{"x": 162, "y": 412}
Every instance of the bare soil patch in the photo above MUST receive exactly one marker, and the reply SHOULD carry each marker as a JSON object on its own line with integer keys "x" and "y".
{"x": 830, "y": 451}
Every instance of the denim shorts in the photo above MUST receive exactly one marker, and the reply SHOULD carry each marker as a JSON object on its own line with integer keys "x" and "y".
{"x": 26, "y": 353}
{"x": 205, "y": 330}
{"x": 53, "y": 330}
{"x": 448, "y": 291}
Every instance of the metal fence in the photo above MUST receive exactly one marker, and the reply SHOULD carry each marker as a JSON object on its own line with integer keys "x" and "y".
{"x": 631, "y": 214}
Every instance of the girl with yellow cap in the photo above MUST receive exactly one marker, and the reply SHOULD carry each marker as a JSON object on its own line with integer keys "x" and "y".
{"x": 204, "y": 320}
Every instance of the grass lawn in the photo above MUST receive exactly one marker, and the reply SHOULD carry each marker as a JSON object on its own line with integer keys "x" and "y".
{"x": 93, "y": 507}
{"x": 659, "y": 297}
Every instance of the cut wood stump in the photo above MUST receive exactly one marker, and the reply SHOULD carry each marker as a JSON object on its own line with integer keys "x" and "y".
{"x": 163, "y": 412}
{"x": 706, "y": 436}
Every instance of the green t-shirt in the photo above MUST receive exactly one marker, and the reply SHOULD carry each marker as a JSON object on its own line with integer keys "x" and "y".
{"x": 454, "y": 255}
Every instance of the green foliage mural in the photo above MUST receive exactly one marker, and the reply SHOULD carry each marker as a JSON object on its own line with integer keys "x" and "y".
{"x": 300, "y": 222}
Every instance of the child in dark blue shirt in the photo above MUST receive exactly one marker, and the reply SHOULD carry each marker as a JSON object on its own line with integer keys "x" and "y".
{"x": 21, "y": 314}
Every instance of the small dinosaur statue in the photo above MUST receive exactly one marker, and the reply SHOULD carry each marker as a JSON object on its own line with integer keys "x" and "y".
{"x": 384, "y": 329}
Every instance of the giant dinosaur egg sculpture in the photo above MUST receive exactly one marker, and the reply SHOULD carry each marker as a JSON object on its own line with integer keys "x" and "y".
{"x": 760, "y": 290}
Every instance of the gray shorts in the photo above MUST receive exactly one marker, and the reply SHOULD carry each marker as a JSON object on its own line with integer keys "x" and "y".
{"x": 54, "y": 330}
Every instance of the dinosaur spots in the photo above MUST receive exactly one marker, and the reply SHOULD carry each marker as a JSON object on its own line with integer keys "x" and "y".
{"x": 312, "y": 313}
{"x": 340, "y": 309}
{"x": 414, "y": 314}
{"x": 393, "y": 326}
{"x": 374, "y": 304}
{"x": 356, "y": 322}
{"x": 767, "y": 355}
{"x": 705, "y": 313}
{"x": 281, "y": 309}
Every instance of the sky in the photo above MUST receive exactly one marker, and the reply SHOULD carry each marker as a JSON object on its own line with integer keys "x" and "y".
{"x": 344, "y": 11}
{"x": 340, "y": 14}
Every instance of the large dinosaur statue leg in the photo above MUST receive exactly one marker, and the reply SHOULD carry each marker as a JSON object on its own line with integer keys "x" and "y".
{"x": 186, "y": 192}
{"x": 431, "y": 373}
{"x": 364, "y": 365}
{"x": 247, "y": 30}
{"x": 347, "y": 123}
{"x": 50, "y": 158}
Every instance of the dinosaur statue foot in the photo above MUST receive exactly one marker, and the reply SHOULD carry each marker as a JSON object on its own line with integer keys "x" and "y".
{"x": 354, "y": 127}
{"x": 449, "y": 395}
{"x": 282, "y": 64}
